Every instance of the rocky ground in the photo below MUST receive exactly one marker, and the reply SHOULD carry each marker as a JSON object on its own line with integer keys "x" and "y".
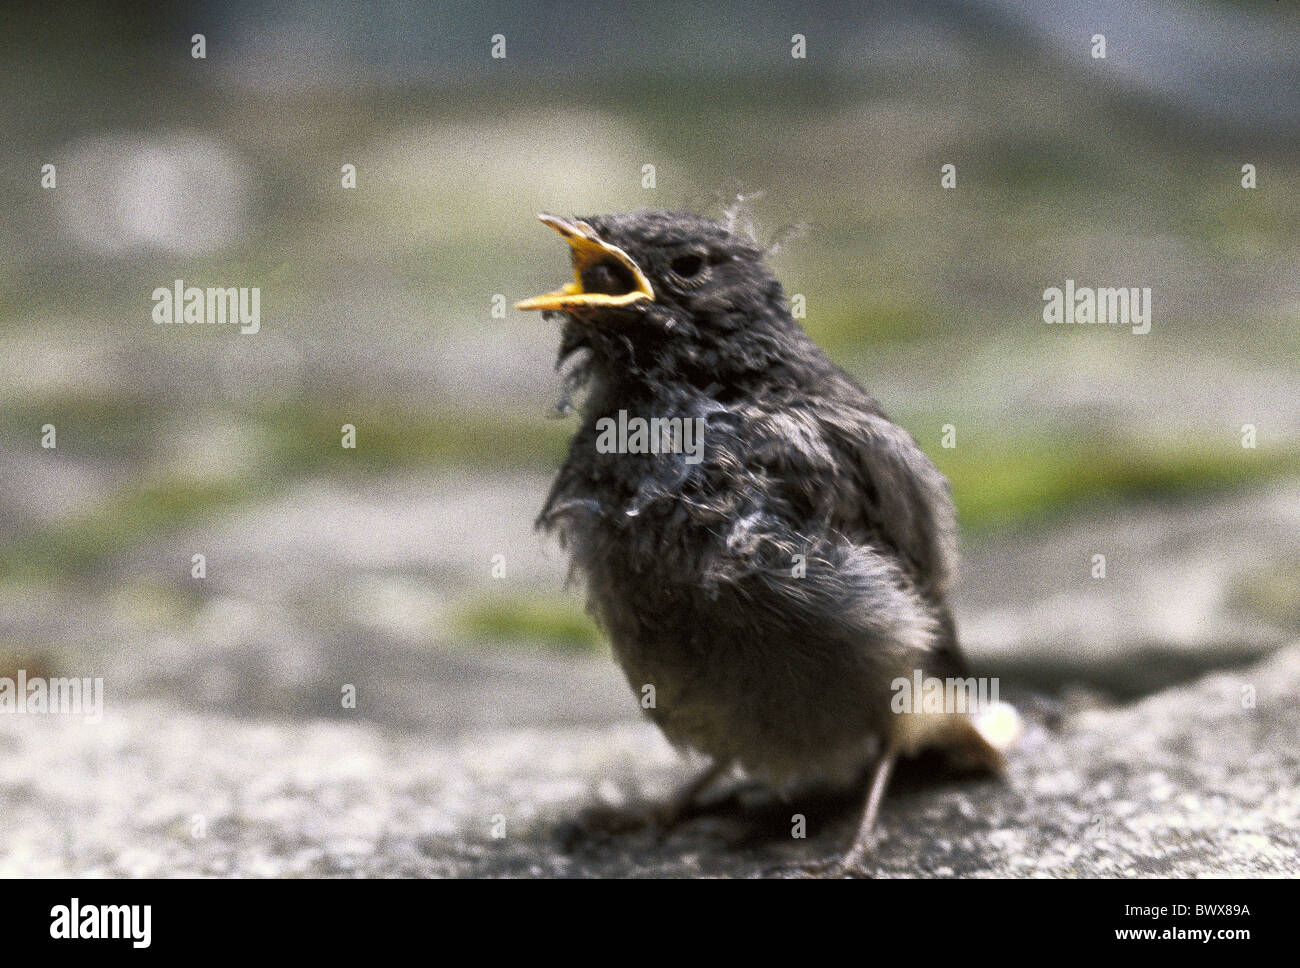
{"x": 1160, "y": 699}
{"x": 1186, "y": 783}
{"x": 1161, "y": 707}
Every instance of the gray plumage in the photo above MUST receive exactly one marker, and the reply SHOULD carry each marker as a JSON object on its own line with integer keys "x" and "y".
{"x": 694, "y": 569}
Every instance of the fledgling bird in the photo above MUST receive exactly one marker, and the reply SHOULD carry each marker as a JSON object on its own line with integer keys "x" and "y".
{"x": 773, "y": 586}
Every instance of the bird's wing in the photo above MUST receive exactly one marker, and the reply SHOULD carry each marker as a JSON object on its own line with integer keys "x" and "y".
{"x": 889, "y": 490}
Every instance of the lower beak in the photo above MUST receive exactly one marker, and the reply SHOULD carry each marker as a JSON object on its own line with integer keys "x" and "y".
{"x": 589, "y": 251}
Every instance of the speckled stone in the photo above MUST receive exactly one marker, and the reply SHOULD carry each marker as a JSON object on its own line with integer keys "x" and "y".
{"x": 1200, "y": 780}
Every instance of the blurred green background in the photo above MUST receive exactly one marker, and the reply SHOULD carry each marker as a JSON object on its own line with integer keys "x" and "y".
{"x": 377, "y": 301}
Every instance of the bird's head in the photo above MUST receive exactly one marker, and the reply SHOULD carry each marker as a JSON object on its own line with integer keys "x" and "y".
{"x": 669, "y": 296}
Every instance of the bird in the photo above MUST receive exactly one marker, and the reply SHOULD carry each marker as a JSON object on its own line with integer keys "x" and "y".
{"x": 771, "y": 585}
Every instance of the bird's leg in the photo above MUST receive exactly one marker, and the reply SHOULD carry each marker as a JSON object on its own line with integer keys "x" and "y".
{"x": 662, "y": 816}
{"x": 865, "y": 837}
{"x": 864, "y": 840}
{"x": 676, "y": 808}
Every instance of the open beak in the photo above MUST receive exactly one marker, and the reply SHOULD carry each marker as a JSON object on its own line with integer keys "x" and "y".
{"x": 589, "y": 252}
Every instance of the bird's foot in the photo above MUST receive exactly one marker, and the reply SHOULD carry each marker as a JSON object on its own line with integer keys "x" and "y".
{"x": 604, "y": 821}
{"x": 824, "y": 869}
{"x": 852, "y": 863}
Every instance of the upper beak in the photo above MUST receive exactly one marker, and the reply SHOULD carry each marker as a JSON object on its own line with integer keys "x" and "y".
{"x": 588, "y": 250}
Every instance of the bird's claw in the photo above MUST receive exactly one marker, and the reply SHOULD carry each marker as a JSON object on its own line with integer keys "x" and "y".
{"x": 604, "y": 821}
{"x": 851, "y": 864}
{"x": 827, "y": 868}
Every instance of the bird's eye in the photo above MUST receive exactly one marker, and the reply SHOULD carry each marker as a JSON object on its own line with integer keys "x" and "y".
{"x": 687, "y": 266}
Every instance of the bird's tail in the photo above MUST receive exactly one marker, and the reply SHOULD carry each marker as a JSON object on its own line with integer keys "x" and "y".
{"x": 977, "y": 740}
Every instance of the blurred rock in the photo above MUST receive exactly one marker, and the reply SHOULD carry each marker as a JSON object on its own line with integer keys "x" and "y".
{"x": 1189, "y": 586}
{"x": 182, "y": 192}
{"x": 1191, "y": 782}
